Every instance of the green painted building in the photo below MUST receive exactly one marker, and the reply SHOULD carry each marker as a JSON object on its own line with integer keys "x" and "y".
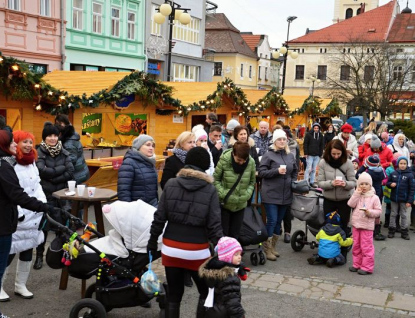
{"x": 104, "y": 35}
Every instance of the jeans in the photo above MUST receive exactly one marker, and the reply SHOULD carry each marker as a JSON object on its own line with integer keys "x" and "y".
{"x": 5, "y": 245}
{"x": 275, "y": 215}
{"x": 310, "y": 171}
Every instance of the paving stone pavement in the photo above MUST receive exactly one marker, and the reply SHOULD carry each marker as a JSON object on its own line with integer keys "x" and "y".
{"x": 324, "y": 290}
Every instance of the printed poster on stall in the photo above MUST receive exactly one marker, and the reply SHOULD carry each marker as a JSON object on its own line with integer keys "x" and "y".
{"x": 130, "y": 124}
{"x": 91, "y": 123}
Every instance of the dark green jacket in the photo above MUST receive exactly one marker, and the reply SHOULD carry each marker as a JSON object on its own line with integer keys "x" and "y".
{"x": 225, "y": 178}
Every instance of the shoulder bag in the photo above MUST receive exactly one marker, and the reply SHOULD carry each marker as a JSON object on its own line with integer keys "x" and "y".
{"x": 231, "y": 190}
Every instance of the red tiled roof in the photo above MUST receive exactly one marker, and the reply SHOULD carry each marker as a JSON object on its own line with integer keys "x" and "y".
{"x": 403, "y": 29}
{"x": 252, "y": 40}
{"x": 371, "y": 26}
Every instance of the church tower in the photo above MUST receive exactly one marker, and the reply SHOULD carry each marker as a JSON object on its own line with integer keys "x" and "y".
{"x": 345, "y": 9}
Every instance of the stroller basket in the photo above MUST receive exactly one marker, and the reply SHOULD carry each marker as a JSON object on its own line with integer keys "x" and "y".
{"x": 130, "y": 295}
{"x": 308, "y": 208}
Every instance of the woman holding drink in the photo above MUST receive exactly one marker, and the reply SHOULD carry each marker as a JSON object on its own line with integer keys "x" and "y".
{"x": 278, "y": 169}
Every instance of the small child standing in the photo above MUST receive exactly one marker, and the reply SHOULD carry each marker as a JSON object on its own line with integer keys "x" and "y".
{"x": 366, "y": 207}
{"x": 331, "y": 238}
{"x": 223, "y": 274}
{"x": 401, "y": 181}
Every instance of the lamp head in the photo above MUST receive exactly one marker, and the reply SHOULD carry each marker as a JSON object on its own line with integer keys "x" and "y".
{"x": 159, "y": 18}
{"x": 291, "y": 19}
{"x": 283, "y": 50}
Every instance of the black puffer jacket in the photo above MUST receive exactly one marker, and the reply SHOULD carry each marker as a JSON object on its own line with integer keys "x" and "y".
{"x": 171, "y": 168}
{"x": 54, "y": 172}
{"x": 137, "y": 178}
{"x": 227, "y": 284}
{"x": 71, "y": 142}
{"x": 190, "y": 204}
{"x": 11, "y": 195}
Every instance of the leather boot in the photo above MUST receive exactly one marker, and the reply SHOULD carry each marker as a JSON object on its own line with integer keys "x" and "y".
{"x": 274, "y": 244}
{"x": 173, "y": 310}
{"x": 405, "y": 234}
{"x": 268, "y": 250}
{"x": 200, "y": 312}
{"x": 377, "y": 234}
{"x": 391, "y": 233}
{"x": 22, "y": 274}
{"x": 3, "y": 295}
{"x": 38, "y": 262}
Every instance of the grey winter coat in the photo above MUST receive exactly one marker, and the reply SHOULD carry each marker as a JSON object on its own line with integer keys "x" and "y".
{"x": 326, "y": 174}
{"x": 263, "y": 143}
{"x": 276, "y": 187}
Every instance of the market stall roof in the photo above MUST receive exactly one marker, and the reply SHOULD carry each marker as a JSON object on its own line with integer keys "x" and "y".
{"x": 79, "y": 82}
{"x": 294, "y": 102}
{"x": 190, "y": 92}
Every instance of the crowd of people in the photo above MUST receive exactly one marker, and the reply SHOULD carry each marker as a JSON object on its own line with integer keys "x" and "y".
{"x": 207, "y": 184}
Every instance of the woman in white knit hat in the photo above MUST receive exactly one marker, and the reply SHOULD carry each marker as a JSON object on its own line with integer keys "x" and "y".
{"x": 201, "y": 141}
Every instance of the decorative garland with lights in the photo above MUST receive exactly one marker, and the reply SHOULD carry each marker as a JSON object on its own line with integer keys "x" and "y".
{"x": 311, "y": 106}
{"x": 333, "y": 109}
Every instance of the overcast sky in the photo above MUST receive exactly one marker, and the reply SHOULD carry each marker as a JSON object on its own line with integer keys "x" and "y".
{"x": 270, "y": 16}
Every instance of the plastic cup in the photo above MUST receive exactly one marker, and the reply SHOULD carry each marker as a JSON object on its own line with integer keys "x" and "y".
{"x": 339, "y": 178}
{"x": 71, "y": 186}
{"x": 81, "y": 189}
{"x": 257, "y": 150}
{"x": 91, "y": 191}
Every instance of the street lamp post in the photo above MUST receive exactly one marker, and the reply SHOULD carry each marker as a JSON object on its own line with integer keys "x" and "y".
{"x": 173, "y": 11}
{"x": 284, "y": 50}
{"x": 313, "y": 80}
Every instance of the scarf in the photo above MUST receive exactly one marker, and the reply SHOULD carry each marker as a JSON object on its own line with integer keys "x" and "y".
{"x": 180, "y": 153}
{"x": 237, "y": 168}
{"x": 151, "y": 159}
{"x": 316, "y": 135}
{"x": 53, "y": 150}
{"x": 336, "y": 164}
{"x": 26, "y": 159}
{"x": 345, "y": 140}
{"x": 10, "y": 160}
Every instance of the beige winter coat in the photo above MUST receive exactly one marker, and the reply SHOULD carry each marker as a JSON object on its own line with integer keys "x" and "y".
{"x": 326, "y": 174}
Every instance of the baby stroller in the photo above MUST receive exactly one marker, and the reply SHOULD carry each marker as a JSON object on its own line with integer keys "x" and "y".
{"x": 308, "y": 208}
{"x": 113, "y": 261}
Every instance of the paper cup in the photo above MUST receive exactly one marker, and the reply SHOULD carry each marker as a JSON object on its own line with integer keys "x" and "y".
{"x": 257, "y": 150}
{"x": 91, "y": 191}
{"x": 283, "y": 166}
{"x": 339, "y": 178}
{"x": 81, "y": 189}
{"x": 71, "y": 186}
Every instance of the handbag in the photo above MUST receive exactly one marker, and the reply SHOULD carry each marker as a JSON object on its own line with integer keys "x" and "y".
{"x": 231, "y": 190}
{"x": 253, "y": 230}
{"x": 300, "y": 186}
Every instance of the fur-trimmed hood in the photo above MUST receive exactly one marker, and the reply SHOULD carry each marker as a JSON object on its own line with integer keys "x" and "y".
{"x": 215, "y": 270}
{"x": 232, "y": 141}
{"x": 193, "y": 180}
{"x": 188, "y": 172}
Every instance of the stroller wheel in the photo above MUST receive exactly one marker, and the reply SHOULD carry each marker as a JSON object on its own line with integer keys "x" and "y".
{"x": 297, "y": 240}
{"x": 88, "y": 308}
{"x": 90, "y": 293}
{"x": 254, "y": 259}
{"x": 262, "y": 258}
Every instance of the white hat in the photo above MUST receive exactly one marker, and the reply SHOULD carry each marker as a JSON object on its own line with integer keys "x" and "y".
{"x": 368, "y": 136}
{"x": 278, "y": 133}
{"x": 200, "y": 133}
{"x": 232, "y": 124}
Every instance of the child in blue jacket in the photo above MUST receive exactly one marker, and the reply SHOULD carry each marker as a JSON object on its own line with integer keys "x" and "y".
{"x": 401, "y": 181}
{"x": 331, "y": 238}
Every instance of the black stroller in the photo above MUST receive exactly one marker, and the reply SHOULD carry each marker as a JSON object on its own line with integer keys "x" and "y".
{"x": 308, "y": 208}
{"x": 118, "y": 279}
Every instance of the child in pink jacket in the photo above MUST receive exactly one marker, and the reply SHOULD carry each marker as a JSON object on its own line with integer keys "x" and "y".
{"x": 366, "y": 208}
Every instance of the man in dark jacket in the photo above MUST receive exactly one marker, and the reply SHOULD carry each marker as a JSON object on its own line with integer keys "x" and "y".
{"x": 215, "y": 143}
{"x": 313, "y": 150}
{"x": 262, "y": 138}
{"x": 71, "y": 142}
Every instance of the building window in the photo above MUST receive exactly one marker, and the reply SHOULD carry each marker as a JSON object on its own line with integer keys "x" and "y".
{"x": 187, "y": 33}
{"x": 413, "y": 74}
{"x": 185, "y": 73}
{"x": 96, "y": 17}
{"x": 397, "y": 73}
{"x": 344, "y": 72}
{"x": 14, "y": 5}
{"x": 322, "y": 72}
{"x": 349, "y": 13}
{"x": 77, "y": 18}
{"x": 45, "y": 8}
{"x": 322, "y": 50}
{"x": 217, "y": 69}
{"x": 250, "y": 71}
{"x": 242, "y": 70}
{"x": 155, "y": 27}
{"x": 358, "y": 11}
{"x": 266, "y": 73}
{"x": 369, "y": 73}
{"x": 131, "y": 25}
{"x": 115, "y": 22}
{"x": 259, "y": 72}
{"x": 399, "y": 50}
{"x": 299, "y": 72}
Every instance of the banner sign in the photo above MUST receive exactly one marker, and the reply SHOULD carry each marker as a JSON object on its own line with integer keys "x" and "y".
{"x": 130, "y": 124}
{"x": 91, "y": 123}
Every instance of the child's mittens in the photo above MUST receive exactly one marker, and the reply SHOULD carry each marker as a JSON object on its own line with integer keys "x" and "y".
{"x": 243, "y": 272}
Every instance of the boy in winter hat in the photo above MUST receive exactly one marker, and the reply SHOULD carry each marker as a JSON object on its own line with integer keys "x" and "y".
{"x": 366, "y": 208}
{"x": 374, "y": 169}
{"x": 401, "y": 181}
{"x": 331, "y": 238}
{"x": 223, "y": 274}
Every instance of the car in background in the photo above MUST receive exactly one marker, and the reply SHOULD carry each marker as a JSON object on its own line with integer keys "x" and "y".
{"x": 356, "y": 122}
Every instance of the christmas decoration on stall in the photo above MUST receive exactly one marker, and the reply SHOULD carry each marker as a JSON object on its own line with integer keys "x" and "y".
{"x": 333, "y": 109}
{"x": 272, "y": 99}
{"x": 311, "y": 107}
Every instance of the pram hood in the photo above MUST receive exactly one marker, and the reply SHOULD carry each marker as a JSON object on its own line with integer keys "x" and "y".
{"x": 132, "y": 222}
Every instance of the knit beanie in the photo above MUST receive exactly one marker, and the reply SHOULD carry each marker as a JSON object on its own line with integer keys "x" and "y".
{"x": 278, "y": 133}
{"x": 141, "y": 140}
{"x": 396, "y": 155}
{"x": 49, "y": 129}
{"x": 356, "y": 160}
{"x": 372, "y": 162}
{"x": 333, "y": 218}
{"x": 375, "y": 143}
{"x": 364, "y": 177}
{"x": 368, "y": 136}
{"x": 347, "y": 128}
{"x": 384, "y": 135}
{"x": 232, "y": 124}
{"x": 198, "y": 157}
{"x": 200, "y": 133}
{"x": 226, "y": 248}
{"x": 316, "y": 124}
{"x": 401, "y": 158}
